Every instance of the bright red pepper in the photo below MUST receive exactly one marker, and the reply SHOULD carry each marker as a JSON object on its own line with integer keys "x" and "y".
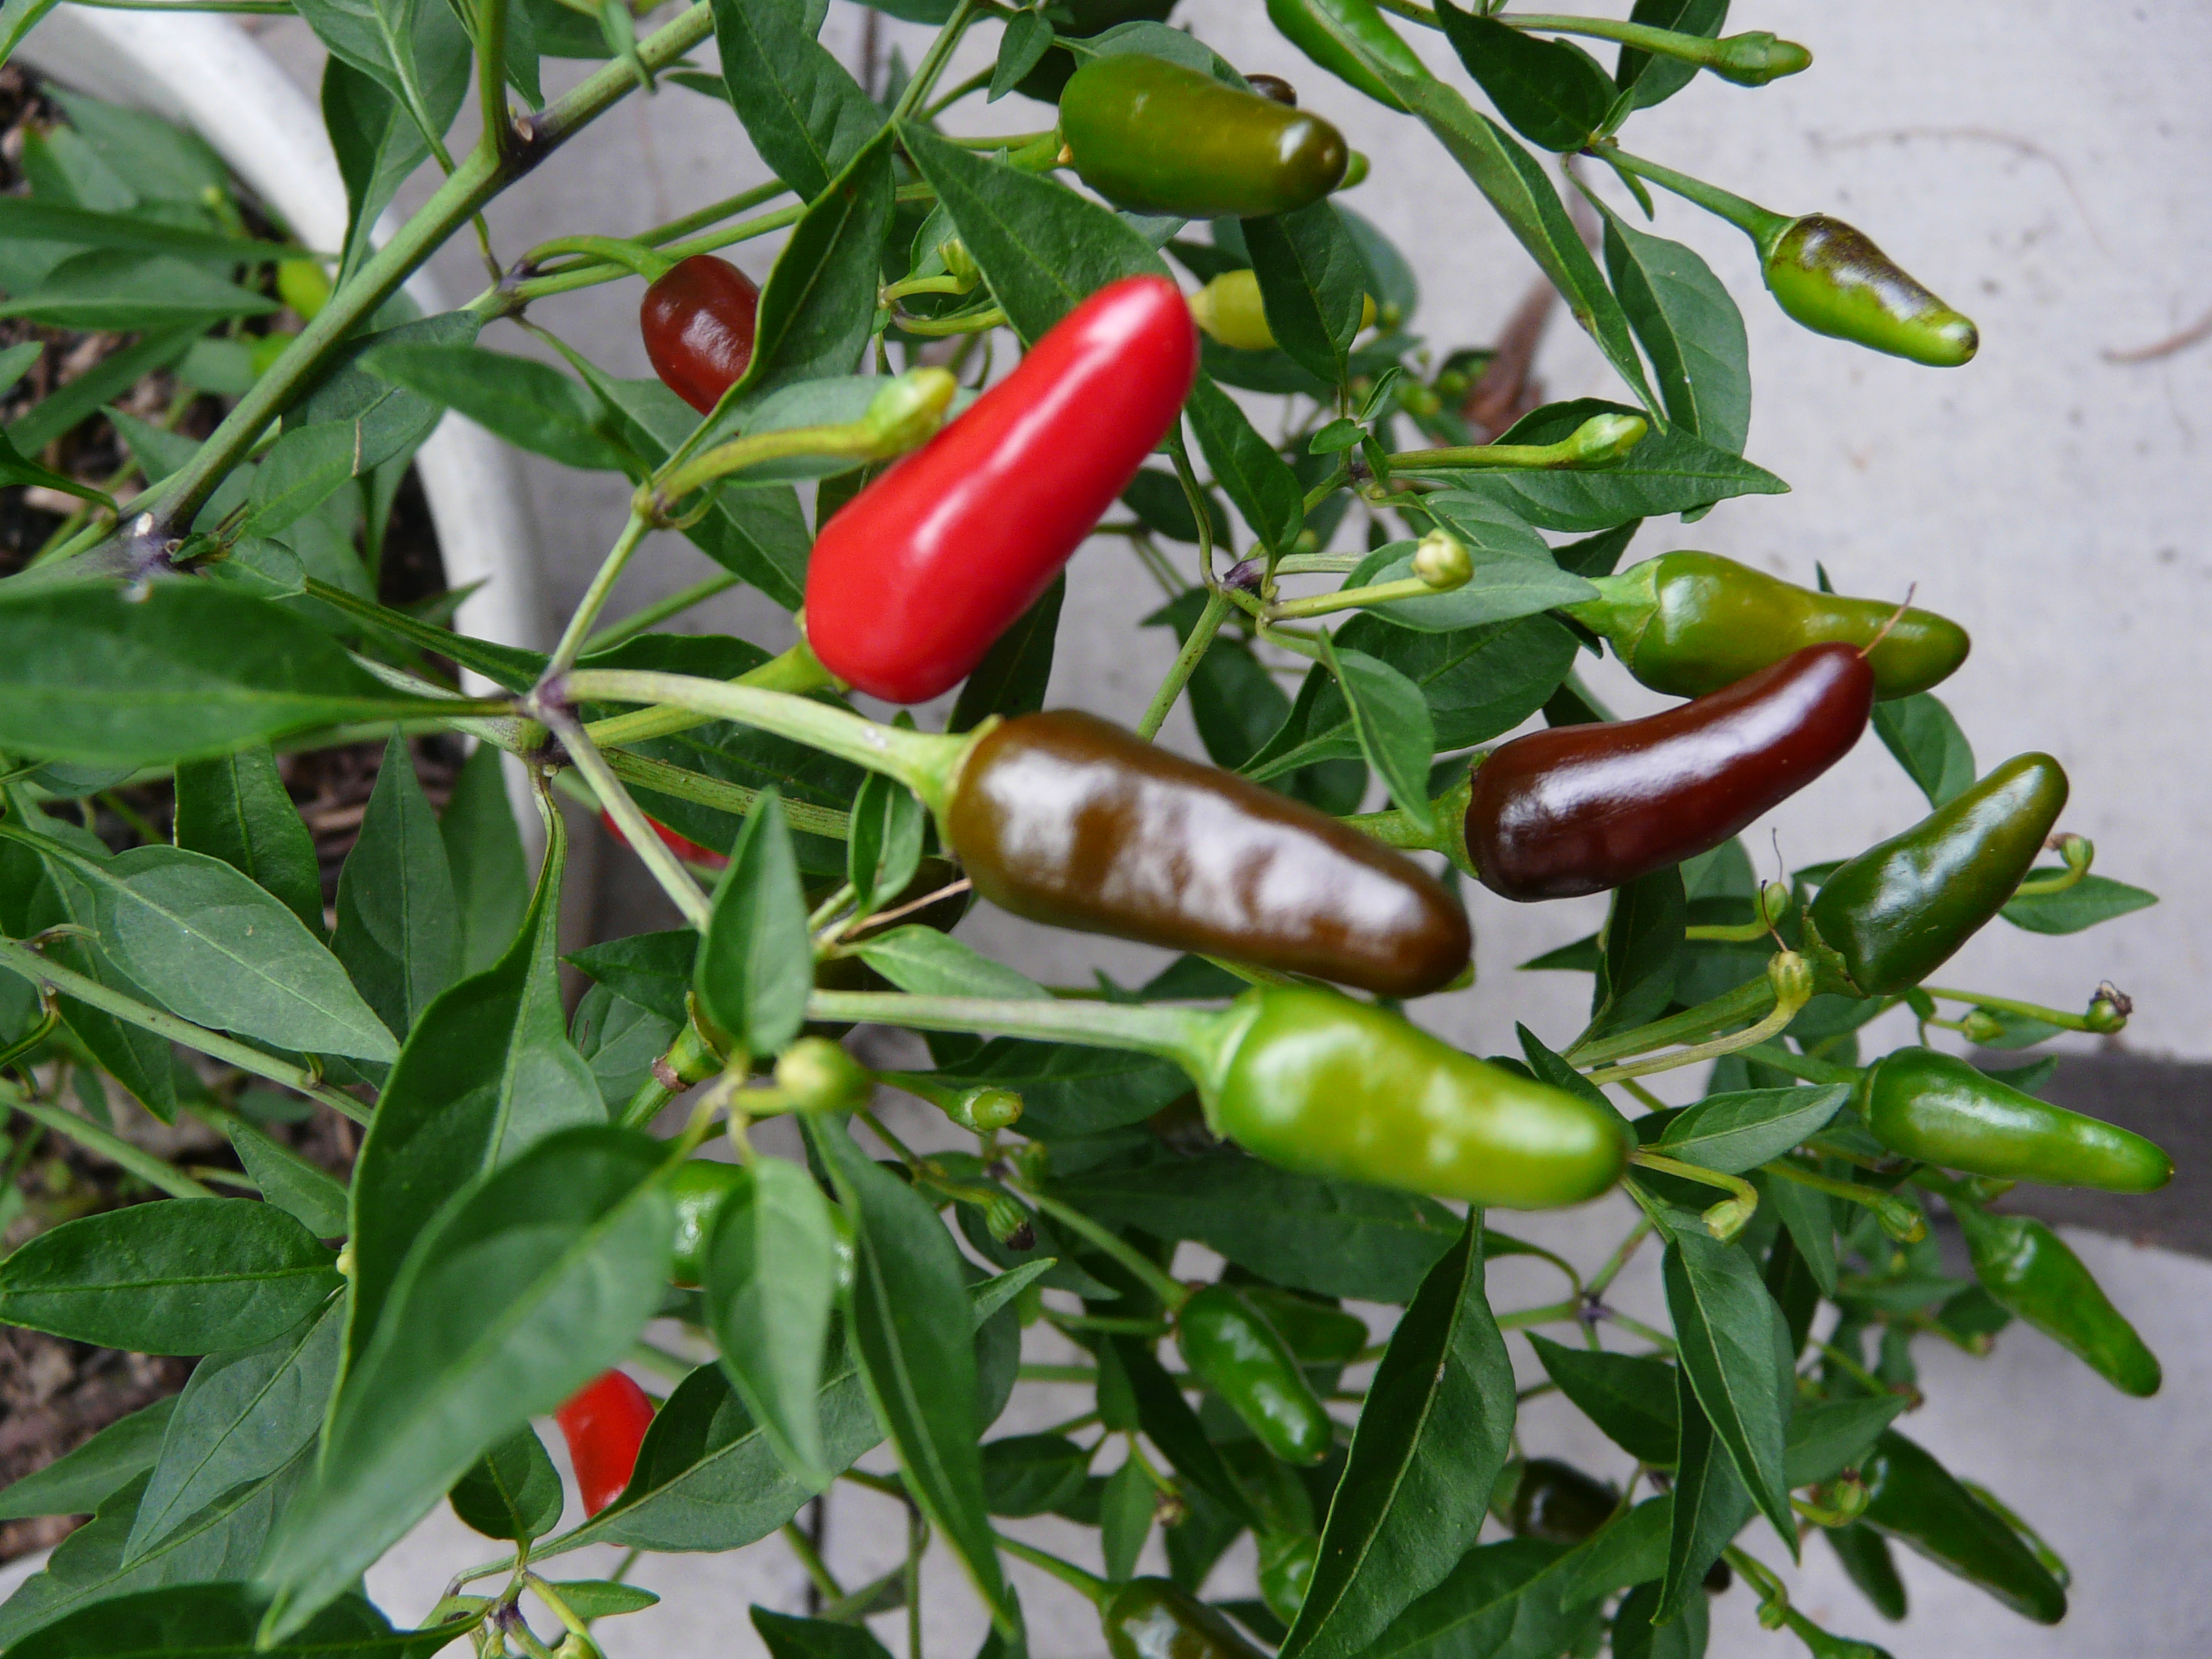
{"x": 683, "y": 846}
{"x": 698, "y": 323}
{"x": 924, "y": 568}
{"x": 605, "y": 1423}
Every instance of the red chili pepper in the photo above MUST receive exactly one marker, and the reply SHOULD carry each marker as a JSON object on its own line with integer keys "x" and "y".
{"x": 605, "y": 1423}
{"x": 1578, "y": 809}
{"x": 697, "y": 322}
{"x": 923, "y": 570}
{"x": 683, "y": 846}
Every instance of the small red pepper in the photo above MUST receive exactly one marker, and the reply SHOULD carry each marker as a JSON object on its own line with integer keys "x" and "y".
{"x": 1578, "y": 809}
{"x": 698, "y": 321}
{"x": 912, "y": 580}
{"x": 605, "y": 1423}
{"x": 683, "y": 846}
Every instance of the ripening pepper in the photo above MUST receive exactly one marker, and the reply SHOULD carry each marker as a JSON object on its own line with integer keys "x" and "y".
{"x": 1916, "y": 1500}
{"x": 1556, "y": 1501}
{"x": 1898, "y": 911}
{"x": 1231, "y": 1348}
{"x": 1578, "y": 809}
{"x": 1066, "y": 819}
{"x": 2030, "y": 1272}
{"x": 1319, "y": 1083}
{"x": 1831, "y": 277}
{"x": 1689, "y": 622}
{"x": 1321, "y": 28}
{"x": 697, "y": 321}
{"x": 1158, "y": 137}
{"x": 1228, "y": 308}
{"x": 912, "y": 581}
{"x": 1286, "y": 1570}
{"x": 1868, "y": 1564}
{"x": 1936, "y": 1107}
{"x": 698, "y": 1187}
{"x": 706, "y": 858}
{"x": 605, "y": 1423}
{"x": 1156, "y": 1618}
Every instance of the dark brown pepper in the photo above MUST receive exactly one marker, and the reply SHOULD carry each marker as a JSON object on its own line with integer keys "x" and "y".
{"x": 1579, "y": 809}
{"x": 1066, "y": 819}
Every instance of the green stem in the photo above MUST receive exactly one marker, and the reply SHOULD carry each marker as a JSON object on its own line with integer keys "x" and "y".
{"x": 933, "y": 61}
{"x": 1806, "y": 1066}
{"x": 491, "y": 73}
{"x": 1171, "y": 1292}
{"x": 852, "y": 440}
{"x": 1394, "y": 829}
{"x": 1318, "y": 564}
{"x": 659, "y": 611}
{"x": 1185, "y": 663}
{"x": 1089, "y": 1584}
{"x": 109, "y": 1144}
{"x": 1773, "y": 903}
{"x": 1763, "y": 228}
{"x": 1773, "y": 1025}
{"x": 19, "y": 959}
{"x": 1319, "y": 493}
{"x": 700, "y": 218}
{"x": 975, "y": 82}
{"x": 966, "y": 322}
{"x": 1726, "y": 1218}
{"x": 1748, "y": 1000}
{"x": 636, "y": 257}
{"x": 1187, "y": 476}
{"x": 637, "y": 829}
{"x": 1351, "y": 599}
{"x": 474, "y": 183}
{"x": 797, "y": 670}
{"x": 596, "y": 596}
{"x": 1599, "y": 440}
{"x": 925, "y": 761}
{"x": 1623, "y": 1253}
{"x": 1550, "y": 1314}
{"x": 2008, "y": 1005}
{"x": 735, "y": 799}
{"x": 1702, "y": 50}
{"x": 1899, "y": 1219}
{"x": 1190, "y": 1037}
{"x": 810, "y": 1559}
{"x": 1083, "y": 1374}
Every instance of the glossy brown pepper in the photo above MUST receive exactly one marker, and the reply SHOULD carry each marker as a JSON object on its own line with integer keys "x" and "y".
{"x": 697, "y": 322}
{"x": 1578, "y": 809}
{"x": 1066, "y": 819}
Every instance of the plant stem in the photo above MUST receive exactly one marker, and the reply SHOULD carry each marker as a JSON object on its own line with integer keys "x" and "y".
{"x": 1773, "y": 1025}
{"x": 1187, "y": 1036}
{"x": 733, "y": 798}
{"x": 637, "y": 829}
{"x": 809, "y": 1559}
{"x": 109, "y": 1144}
{"x": 2008, "y": 1005}
{"x": 1747, "y": 1001}
{"x": 1623, "y": 1253}
{"x": 933, "y": 61}
{"x": 1550, "y": 1314}
{"x": 1090, "y": 1583}
{"x": 1726, "y": 1218}
{"x": 1899, "y": 1219}
{"x": 1698, "y": 49}
{"x": 797, "y": 670}
{"x": 636, "y": 257}
{"x": 1171, "y": 1292}
{"x": 1805, "y": 1067}
{"x": 595, "y": 596}
{"x": 1185, "y": 663}
{"x": 1352, "y": 598}
{"x": 1763, "y": 228}
{"x": 659, "y": 611}
{"x": 1179, "y": 453}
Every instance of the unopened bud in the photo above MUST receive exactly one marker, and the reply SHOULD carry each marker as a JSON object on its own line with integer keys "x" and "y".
{"x": 1725, "y": 1219}
{"x": 958, "y": 261}
{"x": 2109, "y": 1009}
{"x": 1901, "y": 1220}
{"x": 1010, "y": 1224}
{"x": 1441, "y": 562}
{"x": 908, "y": 411}
{"x": 2079, "y": 851}
{"x": 1980, "y": 1025}
{"x": 1607, "y": 438}
{"x": 1791, "y": 976}
{"x": 1752, "y": 59}
{"x": 1355, "y": 172}
{"x": 1845, "y": 1497}
{"x": 985, "y": 1109}
{"x": 818, "y": 1076}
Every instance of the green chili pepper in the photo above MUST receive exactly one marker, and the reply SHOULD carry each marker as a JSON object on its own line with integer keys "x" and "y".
{"x": 1895, "y": 914}
{"x": 1231, "y": 1348}
{"x": 1543, "y": 1498}
{"x": 1868, "y": 1564}
{"x": 1317, "y": 1081}
{"x": 699, "y": 1186}
{"x": 1160, "y": 138}
{"x": 1916, "y": 1500}
{"x": 1286, "y": 1568}
{"x": 1938, "y": 1108}
{"x": 1688, "y": 622}
{"x": 1832, "y": 279}
{"x": 2031, "y": 1273}
{"x": 1314, "y": 28}
{"x": 1154, "y": 1619}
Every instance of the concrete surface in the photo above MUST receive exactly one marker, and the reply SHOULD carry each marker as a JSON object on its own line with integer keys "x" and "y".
{"x": 2042, "y": 166}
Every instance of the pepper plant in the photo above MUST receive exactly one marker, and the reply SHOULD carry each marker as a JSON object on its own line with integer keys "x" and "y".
{"x": 531, "y": 1190}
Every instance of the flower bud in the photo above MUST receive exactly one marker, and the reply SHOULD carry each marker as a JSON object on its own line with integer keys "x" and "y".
{"x": 1010, "y": 1224}
{"x": 1791, "y": 976}
{"x": 1441, "y": 562}
{"x": 985, "y": 1109}
{"x": 1754, "y": 58}
{"x": 818, "y": 1076}
{"x": 959, "y": 263}
{"x": 1607, "y": 438}
{"x": 908, "y": 412}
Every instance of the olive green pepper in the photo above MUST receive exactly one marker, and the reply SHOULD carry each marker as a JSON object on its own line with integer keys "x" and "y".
{"x": 1688, "y": 622}
{"x": 1832, "y": 279}
{"x": 1936, "y": 1107}
{"x": 1286, "y": 1569}
{"x": 699, "y": 1186}
{"x": 1231, "y": 1348}
{"x": 1868, "y": 1564}
{"x": 1556, "y": 1501}
{"x": 1228, "y": 308}
{"x": 1319, "y": 27}
{"x": 1317, "y": 1082}
{"x": 2030, "y": 1272}
{"x": 1898, "y": 911}
{"x": 1916, "y": 1500}
{"x": 1155, "y": 137}
{"x": 1155, "y": 1619}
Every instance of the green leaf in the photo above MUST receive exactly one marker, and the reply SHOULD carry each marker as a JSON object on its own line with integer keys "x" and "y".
{"x": 1435, "y": 1431}
{"x": 1258, "y": 482}
{"x": 512, "y": 1493}
{"x": 771, "y": 1278}
{"x": 885, "y": 848}
{"x": 1682, "y": 1637}
{"x": 1708, "y": 1507}
{"x": 755, "y": 962}
{"x": 1069, "y": 1089}
{"x": 1828, "y": 1436}
{"x": 215, "y": 1621}
{"x": 1157, "y": 498}
{"x": 1671, "y": 471}
{"x": 1313, "y": 285}
{"x": 483, "y": 851}
{"x": 789, "y": 1636}
{"x": 15, "y": 468}
{"x": 804, "y": 112}
{"x": 1479, "y": 682}
{"x": 531, "y": 404}
{"x": 105, "y": 380}
{"x": 1655, "y": 79}
{"x": 1733, "y": 1354}
{"x": 1629, "y": 1549}
{"x": 309, "y": 465}
{"x": 288, "y": 1180}
{"x": 1042, "y": 249}
{"x": 1921, "y": 732}
{"x": 533, "y": 1280}
{"x": 388, "y": 419}
{"x": 77, "y": 1482}
{"x": 1690, "y": 328}
{"x": 1011, "y": 679}
{"x": 1033, "y": 1473}
{"x": 487, "y": 1072}
{"x": 89, "y": 674}
{"x": 1501, "y": 1600}
{"x": 235, "y": 808}
{"x": 917, "y": 1355}
{"x": 1644, "y": 951}
{"x": 1553, "y": 93}
{"x": 184, "y": 1275}
{"x": 242, "y": 1417}
{"x": 2089, "y": 901}
{"x": 926, "y": 963}
{"x": 396, "y": 931}
{"x": 113, "y": 288}
{"x": 602, "y": 1598}
{"x": 1125, "y": 1519}
{"x": 1021, "y": 48}
{"x": 1810, "y": 1218}
{"x": 17, "y": 19}
{"x": 377, "y": 143}
{"x": 1391, "y": 720}
{"x": 1332, "y": 1237}
{"x": 1630, "y": 1397}
{"x": 1734, "y": 1133}
{"x": 651, "y": 970}
{"x": 1507, "y": 583}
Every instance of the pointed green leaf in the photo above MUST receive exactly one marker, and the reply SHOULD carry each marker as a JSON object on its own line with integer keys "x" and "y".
{"x": 1391, "y": 720}
{"x": 512, "y": 1493}
{"x": 1733, "y": 1352}
{"x": 756, "y": 965}
{"x": 1313, "y": 284}
{"x": 533, "y": 405}
{"x": 396, "y": 933}
{"x": 78, "y": 1482}
{"x": 1257, "y": 481}
{"x": 1734, "y": 1133}
{"x": 806, "y": 114}
{"x": 1690, "y": 327}
{"x": 1630, "y": 1397}
{"x": 1924, "y": 736}
{"x": 1709, "y": 1503}
{"x": 483, "y": 849}
{"x": 235, "y": 808}
{"x": 288, "y": 1180}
